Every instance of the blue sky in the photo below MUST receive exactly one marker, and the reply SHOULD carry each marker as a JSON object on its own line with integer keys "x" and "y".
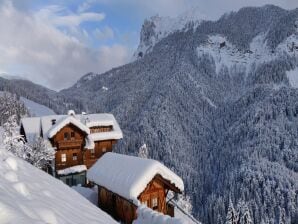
{"x": 55, "y": 42}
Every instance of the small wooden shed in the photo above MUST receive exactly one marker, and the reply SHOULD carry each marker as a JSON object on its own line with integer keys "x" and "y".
{"x": 125, "y": 182}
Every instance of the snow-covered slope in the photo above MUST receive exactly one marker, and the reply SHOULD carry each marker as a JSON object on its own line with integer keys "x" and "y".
{"x": 29, "y": 196}
{"x": 36, "y": 109}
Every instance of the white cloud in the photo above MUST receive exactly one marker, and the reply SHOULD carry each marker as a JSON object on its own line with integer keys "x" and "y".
{"x": 104, "y": 34}
{"x": 55, "y": 15}
{"x": 47, "y": 55}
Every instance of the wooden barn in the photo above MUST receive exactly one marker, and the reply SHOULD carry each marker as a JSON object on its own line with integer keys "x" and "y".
{"x": 125, "y": 182}
{"x": 79, "y": 141}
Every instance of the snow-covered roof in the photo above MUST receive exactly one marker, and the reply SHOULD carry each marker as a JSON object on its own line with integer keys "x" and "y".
{"x": 34, "y": 125}
{"x": 30, "y": 196}
{"x": 72, "y": 169}
{"x": 128, "y": 176}
{"x": 31, "y": 127}
{"x": 65, "y": 121}
{"x": 94, "y": 120}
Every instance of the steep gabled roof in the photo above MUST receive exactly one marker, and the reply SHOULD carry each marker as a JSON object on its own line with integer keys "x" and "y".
{"x": 65, "y": 121}
{"x": 128, "y": 176}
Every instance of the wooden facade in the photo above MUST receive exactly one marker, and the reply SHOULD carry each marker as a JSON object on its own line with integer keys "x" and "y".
{"x": 101, "y": 147}
{"x": 154, "y": 196}
{"x": 98, "y": 129}
{"x": 70, "y": 151}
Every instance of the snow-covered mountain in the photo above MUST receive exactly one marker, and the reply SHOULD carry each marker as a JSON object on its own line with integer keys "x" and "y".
{"x": 217, "y": 102}
{"x": 156, "y": 28}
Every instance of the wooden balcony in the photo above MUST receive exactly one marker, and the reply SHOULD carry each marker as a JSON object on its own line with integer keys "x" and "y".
{"x": 70, "y": 144}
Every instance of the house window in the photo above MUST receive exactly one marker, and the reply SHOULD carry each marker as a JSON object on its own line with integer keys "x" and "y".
{"x": 145, "y": 203}
{"x": 63, "y": 158}
{"x": 75, "y": 156}
{"x": 154, "y": 203}
{"x": 66, "y": 136}
{"x": 92, "y": 151}
{"x": 72, "y": 135}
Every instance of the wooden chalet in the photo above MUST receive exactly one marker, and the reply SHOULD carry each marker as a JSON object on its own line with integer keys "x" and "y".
{"x": 125, "y": 182}
{"x": 79, "y": 141}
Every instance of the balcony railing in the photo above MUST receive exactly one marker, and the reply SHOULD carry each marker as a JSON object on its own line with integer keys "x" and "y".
{"x": 70, "y": 144}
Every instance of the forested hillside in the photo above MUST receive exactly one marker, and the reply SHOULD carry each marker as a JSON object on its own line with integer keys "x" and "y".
{"x": 215, "y": 102}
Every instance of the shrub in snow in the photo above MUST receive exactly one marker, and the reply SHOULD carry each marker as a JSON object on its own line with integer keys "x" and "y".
{"x": 39, "y": 153}
{"x": 12, "y": 141}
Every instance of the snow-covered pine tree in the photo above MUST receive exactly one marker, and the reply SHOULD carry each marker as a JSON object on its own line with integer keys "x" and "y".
{"x": 232, "y": 217}
{"x": 282, "y": 216}
{"x": 184, "y": 203}
{"x": 13, "y": 142}
{"x": 143, "y": 151}
{"x": 243, "y": 213}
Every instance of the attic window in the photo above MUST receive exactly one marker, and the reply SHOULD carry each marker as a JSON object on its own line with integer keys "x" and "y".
{"x": 66, "y": 136}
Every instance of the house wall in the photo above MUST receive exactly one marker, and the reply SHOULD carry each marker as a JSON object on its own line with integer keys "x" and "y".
{"x": 155, "y": 191}
{"x": 125, "y": 211}
{"x": 118, "y": 207}
{"x": 101, "y": 147}
{"x": 72, "y": 147}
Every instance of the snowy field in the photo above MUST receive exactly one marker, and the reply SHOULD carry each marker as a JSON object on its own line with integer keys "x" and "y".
{"x": 30, "y": 196}
{"x": 36, "y": 109}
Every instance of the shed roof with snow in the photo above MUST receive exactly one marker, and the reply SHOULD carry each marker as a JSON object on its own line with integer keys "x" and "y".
{"x": 128, "y": 176}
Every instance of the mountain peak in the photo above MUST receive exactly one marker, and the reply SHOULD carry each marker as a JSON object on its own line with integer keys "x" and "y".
{"x": 156, "y": 28}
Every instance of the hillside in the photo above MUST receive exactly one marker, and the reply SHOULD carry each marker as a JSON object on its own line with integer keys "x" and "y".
{"x": 29, "y": 195}
{"x": 214, "y": 101}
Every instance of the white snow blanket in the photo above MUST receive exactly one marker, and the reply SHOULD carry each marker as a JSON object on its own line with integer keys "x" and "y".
{"x": 128, "y": 176}
{"x": 148, "y": 216}
{"x": 88, "y": 193}
{"x": 30, "y": 196}
{"x": 73, "y": 169}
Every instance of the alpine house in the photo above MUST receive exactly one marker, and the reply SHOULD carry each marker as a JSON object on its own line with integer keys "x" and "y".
{"x": 126, "y": 182}
{"x": 78, "y": 139}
